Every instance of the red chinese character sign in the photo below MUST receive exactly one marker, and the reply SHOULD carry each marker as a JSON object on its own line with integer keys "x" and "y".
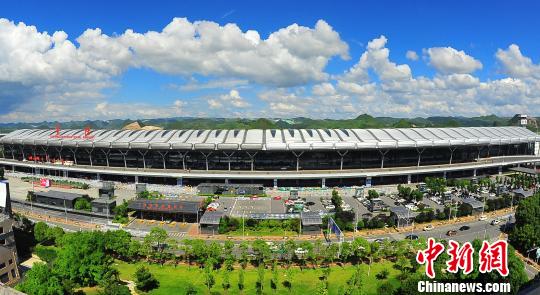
{"x": 86, "y": 134}
{"x": 494, "y": 257}
{"x": 429, "y": 256}
{"x": 460, "y": 257}
{"x": 491, "y": 257}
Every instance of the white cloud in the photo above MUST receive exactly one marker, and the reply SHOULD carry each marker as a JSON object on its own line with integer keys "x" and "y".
{"x": 48, "y": 77}
{"x": 229, "y": 100}
{"x": 194, "y": 85}
{"x": 517, "y": 65}
{"x": 290, "y": 56}
{"x": 448, "y": 60}
{"x": 411, "y": 55}
{"x": 323, "y": 89}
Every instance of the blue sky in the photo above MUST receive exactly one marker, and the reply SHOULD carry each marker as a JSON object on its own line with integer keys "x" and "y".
{"x": 502, "y": 83}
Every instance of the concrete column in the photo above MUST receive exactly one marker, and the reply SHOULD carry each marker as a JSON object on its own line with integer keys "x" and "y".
{"x": 409, "y": 179}
{"x": 444, "y": 174}
{"x": 226, "y": 181}
{"x": 500, "y": 170}
{"x": 323, "y": 182}
{"x": 136, "y": 179}
{"x": 180, "y": 181}
{"x": 275, "y": 182}
{"x": 474, "y": 173}
{"x": 98, "y": 176}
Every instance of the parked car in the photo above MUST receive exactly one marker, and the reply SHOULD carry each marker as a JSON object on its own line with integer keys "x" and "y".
{"x": 277, "y": 198}
{"x": 465, "y": 227}
{"x": 482, "y": 217}
{"x": 300, "y": 251}
{"x": 451, "y": 233}
{"x": 428, "y": 227}
{"x": 330, "y": 207}
{"x": 495, "y": 221}
{"x": 411, "y": 237}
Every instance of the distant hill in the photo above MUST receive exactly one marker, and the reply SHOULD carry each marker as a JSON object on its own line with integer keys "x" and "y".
{"x": 362, "y": 121}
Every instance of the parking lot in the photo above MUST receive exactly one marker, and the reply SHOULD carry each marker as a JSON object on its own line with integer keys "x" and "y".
{"x": 245, "y": 206}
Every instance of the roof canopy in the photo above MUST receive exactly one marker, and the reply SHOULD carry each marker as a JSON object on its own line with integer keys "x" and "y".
{"x": 60, "y": 195}
{"x": 273, "y": 139}
{"x": 475, "y": 204}
{"x": 165, "y": 206}
{"x": 402, "y": 212}
{"x": 211, "y": 217}
{"x": 311, "y": 218}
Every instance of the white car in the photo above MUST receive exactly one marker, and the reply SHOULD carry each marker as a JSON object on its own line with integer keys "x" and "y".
{"x": 482, "y": 218}
{"x": 428, "y": 227}
{"x": 330, "y": 207}
{"x": 495, "y": 222}
{"x": 300, "y": 251}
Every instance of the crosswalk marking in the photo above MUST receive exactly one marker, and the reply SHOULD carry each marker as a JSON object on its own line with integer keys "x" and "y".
{"x": 177, "y": 234}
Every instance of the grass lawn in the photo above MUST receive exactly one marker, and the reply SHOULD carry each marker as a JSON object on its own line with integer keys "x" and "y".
{"x": 173, "y": 280}
{"x": 90, "y": 290}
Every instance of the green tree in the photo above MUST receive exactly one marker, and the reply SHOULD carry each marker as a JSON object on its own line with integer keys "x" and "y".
{"x": 209, "y": 279}
{"x": 154, "y": 243}
{"x": 386, "y": 288}
{"x": 121, "y": 213}
{"x": 40, "y": 280}
{"x": 526, "y": 233}
{"x": 114, "y": 287}
{"x": 322, "y": 289}
{"x": 261, "y": 250}
{"x": 337, "y": 201}
{"x": 372, "y": 194}
{"x": 260, "y": 279}
{"x": 55, "y": 234}
{"x": 40, "y": 231}
{"x": 190, "y": 289}
{"x": 241, "y": 280}
{"x": 287, "y": 282}
{"x": 144, "y": 280}
{"x": 354, "y": 284}
{"x": 82, "y": 204}
{"x": 119, "y": 244}
{"x": 82, "y": 259}
{"x": 274, "y": 281}
{"x": 226, "y": 284}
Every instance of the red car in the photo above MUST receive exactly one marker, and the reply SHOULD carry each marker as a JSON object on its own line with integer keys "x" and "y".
{"x": 277, "y": 198}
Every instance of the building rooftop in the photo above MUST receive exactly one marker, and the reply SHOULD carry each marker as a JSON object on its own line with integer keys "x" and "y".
{"x": 524, "y": 193}
{"x": 211, "y": 217}
{"x": 229, "y": 185}
{"x": 475, "y": 204}
{"x": 103, "y": 201}
{"x": 402, "y": 212}
{"x": 272, "y": 139}
{"x": 60, "y": 195}
{"x": 165, "y": 206}
{"x": 311, "y": 218}
{"x": 524, "y": 170}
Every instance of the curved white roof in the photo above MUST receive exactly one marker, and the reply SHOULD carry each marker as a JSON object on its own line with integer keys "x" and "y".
{"x": 274, "y": 139}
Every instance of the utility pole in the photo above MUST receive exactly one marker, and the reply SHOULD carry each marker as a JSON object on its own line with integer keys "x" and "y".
{"x": 65, "y": 209}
